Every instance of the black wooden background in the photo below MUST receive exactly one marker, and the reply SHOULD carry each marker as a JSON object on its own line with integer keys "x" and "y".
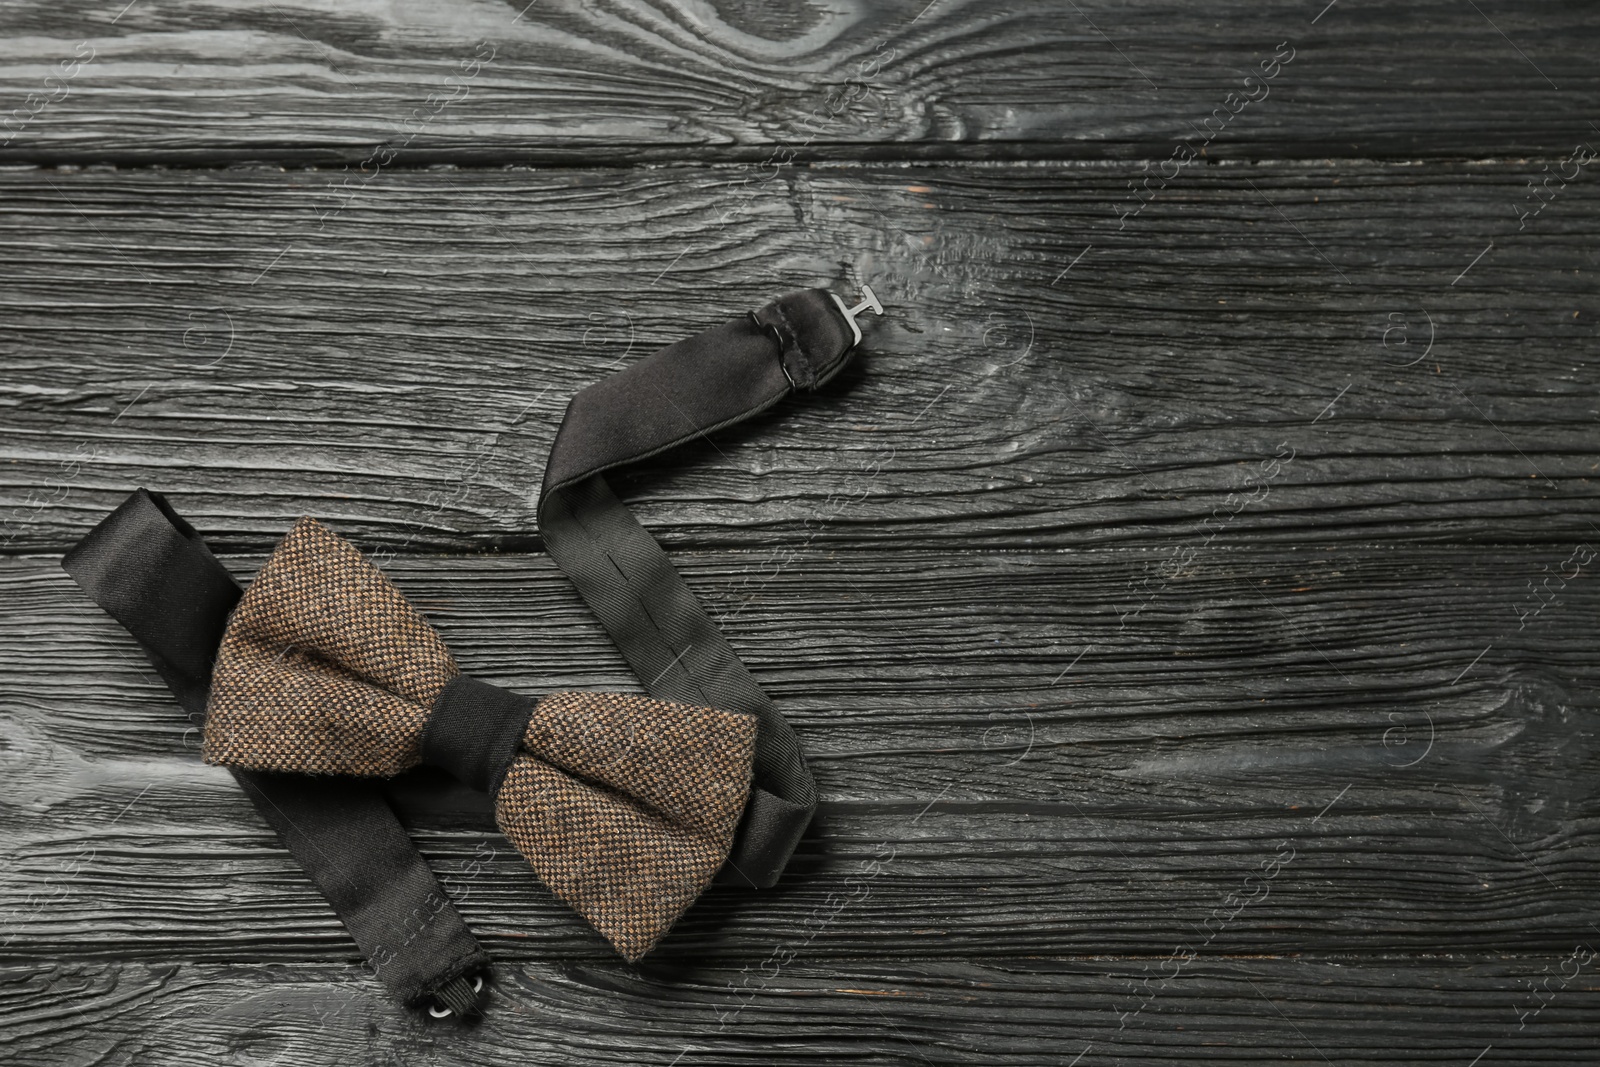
{"x": 1188, "y": 598}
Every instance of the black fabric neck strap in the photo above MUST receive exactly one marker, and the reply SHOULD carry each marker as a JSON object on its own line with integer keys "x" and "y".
{"x": 152, "y": 573}
{"x": 686, "y": 390}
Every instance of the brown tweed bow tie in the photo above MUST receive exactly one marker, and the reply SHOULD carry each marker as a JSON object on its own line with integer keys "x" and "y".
{"x": 625, "y": 806}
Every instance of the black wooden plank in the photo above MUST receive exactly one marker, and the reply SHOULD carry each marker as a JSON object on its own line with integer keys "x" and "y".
{"x": 1140, "y": 594}
{"x": 501, "y": 80}
{"x": 1044, "y": 769}
{"x": 1225, "y": 365}
{"x": 1464, "y": 1009}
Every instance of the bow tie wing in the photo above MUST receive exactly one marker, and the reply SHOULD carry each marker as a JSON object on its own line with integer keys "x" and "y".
{"x": 627, "y": 806}
{"x": 324, "y": 667}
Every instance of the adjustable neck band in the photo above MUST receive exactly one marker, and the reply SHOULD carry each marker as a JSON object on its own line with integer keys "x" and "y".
{"x": 688, "y": 389}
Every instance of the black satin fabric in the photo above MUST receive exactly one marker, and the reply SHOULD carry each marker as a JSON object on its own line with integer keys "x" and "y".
{"x": 475, "y": 731}
{"x": 687, "y": 390}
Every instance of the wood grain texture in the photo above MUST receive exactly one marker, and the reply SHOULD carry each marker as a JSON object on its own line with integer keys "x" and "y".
{"x": 1280, "y": 352}
{"x": 1020, "y": 770}
{"x": 1187, "y": 601}
{"x": 495, "y": 81}
{"x": 1533, "y": 1010}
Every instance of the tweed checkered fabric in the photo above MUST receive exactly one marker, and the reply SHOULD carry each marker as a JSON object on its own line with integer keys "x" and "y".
{"x": 662, "y": 785}
{"x": 624, "y": 806}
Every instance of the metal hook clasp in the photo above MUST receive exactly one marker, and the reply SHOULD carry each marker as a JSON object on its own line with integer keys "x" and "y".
{"x": 869, "y": 302}
{"x": 438, "y": 1011}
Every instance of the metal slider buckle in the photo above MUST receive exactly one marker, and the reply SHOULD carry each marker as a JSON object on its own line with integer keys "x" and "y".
{"x": 869, "y": 302}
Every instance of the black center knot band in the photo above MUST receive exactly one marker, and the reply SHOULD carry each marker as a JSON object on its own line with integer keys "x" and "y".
{"x": 475, "y": 731}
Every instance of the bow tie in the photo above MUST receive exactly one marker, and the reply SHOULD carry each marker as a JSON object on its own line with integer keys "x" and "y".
{"x": 625, "y": 806}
